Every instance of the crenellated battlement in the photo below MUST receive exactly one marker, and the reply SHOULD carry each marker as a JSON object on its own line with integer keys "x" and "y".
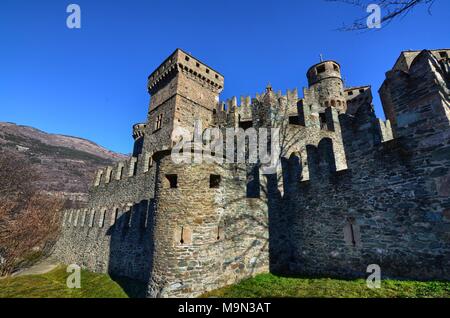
{"x": 124, "y": 170}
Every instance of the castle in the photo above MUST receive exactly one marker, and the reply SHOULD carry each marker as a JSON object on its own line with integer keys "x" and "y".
{"x": 352, "y": 190}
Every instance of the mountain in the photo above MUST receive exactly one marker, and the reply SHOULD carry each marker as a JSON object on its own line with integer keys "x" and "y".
{"x": 66, "y": 165}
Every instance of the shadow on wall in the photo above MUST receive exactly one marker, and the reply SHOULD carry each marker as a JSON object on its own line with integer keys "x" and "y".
{"x": 131, "y": 248}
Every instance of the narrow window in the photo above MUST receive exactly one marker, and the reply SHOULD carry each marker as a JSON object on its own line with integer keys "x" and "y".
{"x": 173, "y": 180}
{"x": 320, "y": 69}
{"x": 207, "y": 71}
{"x": 336, "y": 68}
{"x": 217, "y": 76}
{"x": 187, "y": 58}
{"x": 219, "y": 233}
{"x": 443, "y": 54}
{"x": 362, "y": 90}
{"x": 148, "y": 162}
{"x": 333, "y": 103}
{"x": 352, "y": 235}
{"x": 182, "y": 235}
{"x": 350, "y": 93}
{"x": 185, "y": 235}
{"x": 214, "y": 181}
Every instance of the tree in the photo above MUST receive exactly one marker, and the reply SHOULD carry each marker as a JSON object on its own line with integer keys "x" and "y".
{"x": 29, "y": 219}
{"x": 390, "y": 10}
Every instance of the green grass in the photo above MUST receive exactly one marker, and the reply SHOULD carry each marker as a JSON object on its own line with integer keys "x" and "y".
{"x": 53, "y": 285}
{"x": 268, "y": 285}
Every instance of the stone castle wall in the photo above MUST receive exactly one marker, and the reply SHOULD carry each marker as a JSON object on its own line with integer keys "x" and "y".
{"x": 350, "y": 191}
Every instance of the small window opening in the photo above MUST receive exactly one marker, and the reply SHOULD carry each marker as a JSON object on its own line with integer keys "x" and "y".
{"x": 293, "y": 120}
{"x": 443, "y": 54}
{"x": 173, "y": 180}
{"x": 336, "y": 68}
{"x": 320, "y": 69}
{"x": 219, "y": 233}
{"x": 351, "y": 232}
{"x": 187, "y": 58}
{"x": 207, "y": 71}
{"x": 245, "y": 124}
{"x": 197, "y": 64}
{"x": 184, "y": 235}
{"x": 217, "y": 76}
{"x": 362, "y": 90}
{"x": 158, "y": 123}
{"x": 350, "y": 93}
{"x": 214, "y": 181}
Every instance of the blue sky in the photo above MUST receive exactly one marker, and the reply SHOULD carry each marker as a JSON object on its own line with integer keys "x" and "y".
{"x": 91, "y": 82}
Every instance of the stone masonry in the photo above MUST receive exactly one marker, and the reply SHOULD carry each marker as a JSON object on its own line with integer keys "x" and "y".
{"x": 352, "y": 190}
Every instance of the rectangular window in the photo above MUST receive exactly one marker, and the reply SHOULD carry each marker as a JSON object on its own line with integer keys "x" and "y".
{"x": 293, "y": 120}
{"x": 172, "y": 180}
{"x": 214, "y": 181}
{"x": 245, "y": 124}
{"x": 320, "y": 69}
{"x": 159, "y": 121}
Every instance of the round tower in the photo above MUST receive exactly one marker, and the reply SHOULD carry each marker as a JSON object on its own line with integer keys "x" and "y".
{"x": 325, "y": 79}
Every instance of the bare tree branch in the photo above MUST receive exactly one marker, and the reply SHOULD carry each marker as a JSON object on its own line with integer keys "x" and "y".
{"x": 391, "y": 10}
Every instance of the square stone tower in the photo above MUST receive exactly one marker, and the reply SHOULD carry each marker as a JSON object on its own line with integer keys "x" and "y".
{"x": 182, "y": 90}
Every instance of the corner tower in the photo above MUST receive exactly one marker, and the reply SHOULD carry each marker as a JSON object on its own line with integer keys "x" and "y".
{"x": 325, "y": 80}
{"x": 182, "y": 90}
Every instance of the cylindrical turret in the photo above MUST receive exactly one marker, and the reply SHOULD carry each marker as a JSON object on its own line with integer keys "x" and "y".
{"x": 325, "y": 78}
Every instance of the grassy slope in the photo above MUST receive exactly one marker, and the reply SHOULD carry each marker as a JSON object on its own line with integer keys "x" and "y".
{"x": 268, "y": 285}
{"x": 53, "y": 285}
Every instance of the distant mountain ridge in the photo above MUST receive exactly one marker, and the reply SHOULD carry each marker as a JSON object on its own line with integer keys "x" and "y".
{"x": 66, "y": 164}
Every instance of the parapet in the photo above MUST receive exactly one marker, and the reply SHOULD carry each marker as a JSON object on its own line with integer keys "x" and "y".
{"x": 124, "y": 169}
{"x": 180, "y": 61}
